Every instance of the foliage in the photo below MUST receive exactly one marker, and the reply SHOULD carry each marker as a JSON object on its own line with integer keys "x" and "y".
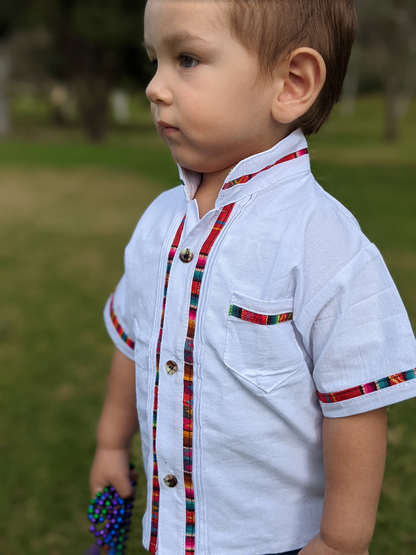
{"x": 388, "y": 32}
{"x": 97, "y": 43}
{"x": 12, "y": 16}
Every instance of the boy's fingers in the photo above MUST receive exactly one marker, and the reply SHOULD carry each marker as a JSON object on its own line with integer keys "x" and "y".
{"x": 123, "y": 488}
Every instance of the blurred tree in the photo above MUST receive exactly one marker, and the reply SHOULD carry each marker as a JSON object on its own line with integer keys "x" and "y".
{"x": 11, "y": 18}
{"x": 96, "y": 42}
{"x": 388, "y": 30}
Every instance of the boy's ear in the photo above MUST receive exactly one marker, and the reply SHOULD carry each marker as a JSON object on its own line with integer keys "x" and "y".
{"x": 299, "y": 81}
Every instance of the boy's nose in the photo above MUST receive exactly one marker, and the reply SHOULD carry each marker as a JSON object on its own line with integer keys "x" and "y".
{"x": 157, "y": 92}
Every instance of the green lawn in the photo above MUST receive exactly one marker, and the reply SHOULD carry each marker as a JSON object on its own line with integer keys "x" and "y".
{"x": 67, "y": 209}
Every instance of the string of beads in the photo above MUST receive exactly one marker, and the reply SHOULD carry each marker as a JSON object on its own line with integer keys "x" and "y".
{"x": 110, "y": 515}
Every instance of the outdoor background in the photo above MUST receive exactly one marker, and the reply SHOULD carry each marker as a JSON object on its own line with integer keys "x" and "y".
{"x": 79, "y": 162}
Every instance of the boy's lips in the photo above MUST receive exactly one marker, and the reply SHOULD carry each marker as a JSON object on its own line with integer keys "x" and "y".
{"x": 165, "y": 128}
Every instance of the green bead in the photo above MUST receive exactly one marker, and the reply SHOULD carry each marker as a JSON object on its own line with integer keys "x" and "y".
{"x": 90, "y": 510}
{"x": 107, "y": 503}
{"x": 98, "y": 495}
{"x": 103, "y": 512}
{"x": 105, "y": 490}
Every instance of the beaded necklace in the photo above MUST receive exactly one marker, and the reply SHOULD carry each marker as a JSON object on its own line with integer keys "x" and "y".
{"x": 110, "y": 516}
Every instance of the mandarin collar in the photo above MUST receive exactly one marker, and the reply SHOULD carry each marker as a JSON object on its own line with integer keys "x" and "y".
{"x": 256, "y": 172}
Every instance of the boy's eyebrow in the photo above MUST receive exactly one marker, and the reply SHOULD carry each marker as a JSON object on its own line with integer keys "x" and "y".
{"x": 172, "y": 40}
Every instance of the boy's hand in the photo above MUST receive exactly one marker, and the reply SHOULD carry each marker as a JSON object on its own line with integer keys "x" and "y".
{"x": 117, "y": 426}
{"x": 318, "y": 547}
{"x": 111, "y": 467}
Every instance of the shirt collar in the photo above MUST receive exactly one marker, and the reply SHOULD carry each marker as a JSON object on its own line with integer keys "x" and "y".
{"x": 256, "y": 172}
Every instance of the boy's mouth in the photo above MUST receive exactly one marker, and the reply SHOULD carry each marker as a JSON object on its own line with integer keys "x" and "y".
{"x": 166, "y": 129}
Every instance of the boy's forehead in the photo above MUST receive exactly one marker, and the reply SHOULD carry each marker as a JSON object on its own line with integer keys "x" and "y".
{"x": 183, "y": 19}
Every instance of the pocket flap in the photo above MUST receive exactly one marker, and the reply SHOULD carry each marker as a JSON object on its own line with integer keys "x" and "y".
{"x": 257, "y": 306}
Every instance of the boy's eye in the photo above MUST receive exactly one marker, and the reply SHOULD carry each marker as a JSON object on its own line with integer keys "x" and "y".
{"x": 188, "y": 62}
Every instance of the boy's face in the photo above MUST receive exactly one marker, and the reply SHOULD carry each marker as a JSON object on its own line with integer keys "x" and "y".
{"x": 205, "y": 96}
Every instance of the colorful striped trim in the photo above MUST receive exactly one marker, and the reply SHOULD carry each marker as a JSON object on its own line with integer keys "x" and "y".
{"x": 360, "y": 390}
{"x": 188, "y": 398}
{"x": 119, "y": 327}
{"x": 256, "y": 318}
{"x": 246, "y": 178}
{"x": 156, "y": 487}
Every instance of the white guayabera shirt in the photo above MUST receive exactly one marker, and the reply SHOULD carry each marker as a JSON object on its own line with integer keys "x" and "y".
{"x": 246, "y": 327}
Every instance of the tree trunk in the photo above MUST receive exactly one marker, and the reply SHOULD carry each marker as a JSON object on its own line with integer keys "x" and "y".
{"x": 4, "y": 90}
{"x": 392, "y": 99}
{"x": 352, "y": 81}
{"x": 391, "y": 130}
{"x": 93, "y": 96}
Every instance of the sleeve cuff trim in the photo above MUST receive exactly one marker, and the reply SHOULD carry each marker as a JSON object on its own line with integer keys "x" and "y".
{"x": 360, "y": 390}
{"x": 118, "y": 327}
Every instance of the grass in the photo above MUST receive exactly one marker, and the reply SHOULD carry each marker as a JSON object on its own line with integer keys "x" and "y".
{"x": 67, "y": 210}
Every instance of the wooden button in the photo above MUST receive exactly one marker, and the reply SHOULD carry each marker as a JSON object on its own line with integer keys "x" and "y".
{"x": 171, "y": 367}
{"x": 186, "y": 255}
{"x": 170, "y": 480}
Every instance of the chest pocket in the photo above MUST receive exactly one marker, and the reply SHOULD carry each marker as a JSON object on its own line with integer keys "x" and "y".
{"x": 261, "y": 345}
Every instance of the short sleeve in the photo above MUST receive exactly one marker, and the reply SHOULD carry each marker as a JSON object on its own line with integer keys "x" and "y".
{"x": 359, "y": 337}
{"x": 119, "y": 321}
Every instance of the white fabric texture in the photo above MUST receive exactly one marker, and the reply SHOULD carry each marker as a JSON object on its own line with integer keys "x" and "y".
{"x": 287, "y": 247}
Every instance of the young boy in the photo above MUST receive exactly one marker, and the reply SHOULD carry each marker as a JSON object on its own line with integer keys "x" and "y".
{"x": 263, "y": 329}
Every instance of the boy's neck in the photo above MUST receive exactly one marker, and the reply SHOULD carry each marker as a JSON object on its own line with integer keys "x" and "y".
{"x": 211, "y": 183}
{"x": 208, "y": 190}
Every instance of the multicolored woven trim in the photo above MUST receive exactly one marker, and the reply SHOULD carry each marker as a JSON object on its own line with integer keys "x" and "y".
{"x": 156, "y": 487}
{"x": 360, "y": 390}
{"x": 188, "y": 397}
{"x": 119, "y": 327}
{"x": 255, "y": 318}
{"x": 246, "y": 178}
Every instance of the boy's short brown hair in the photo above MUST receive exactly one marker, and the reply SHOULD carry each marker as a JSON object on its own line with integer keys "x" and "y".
{"x": 275, "y": 28}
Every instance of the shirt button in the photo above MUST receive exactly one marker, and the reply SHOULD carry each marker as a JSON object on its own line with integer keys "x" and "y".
{"x": 171, "y": 367}
{"x": 186, "y": 255}
{"x": 170, "y": 480}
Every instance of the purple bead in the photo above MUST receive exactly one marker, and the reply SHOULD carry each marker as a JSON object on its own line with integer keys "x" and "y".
{"x": 101, "y": 502}
{"x": 99, "y": 542}
{"x": 108, "y": 525}
{"x": 113, "y": 521}
{"x": 92, "y": 529}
